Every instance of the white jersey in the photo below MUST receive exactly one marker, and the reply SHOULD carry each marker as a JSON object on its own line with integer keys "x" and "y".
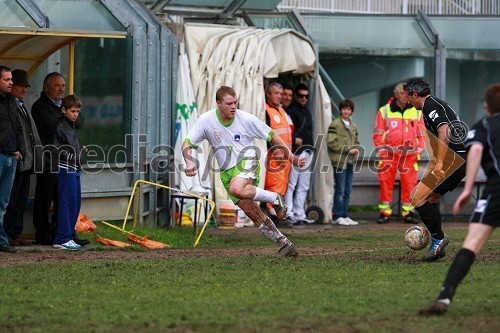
{"x": 231, "y": 142}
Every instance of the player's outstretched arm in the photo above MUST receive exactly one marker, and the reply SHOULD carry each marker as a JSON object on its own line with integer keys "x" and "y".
{"x": 473, "y": 163}
{"x": 188, "y": 159}
{"x": 288, "y": 155}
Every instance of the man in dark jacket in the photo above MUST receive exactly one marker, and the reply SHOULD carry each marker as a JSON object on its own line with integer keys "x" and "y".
{"x": 11, "y": 148}
{"x": 46, "y": 111}
{"x": 13, "y": 220}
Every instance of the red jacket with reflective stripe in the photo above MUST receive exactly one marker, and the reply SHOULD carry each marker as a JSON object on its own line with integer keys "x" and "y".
{"x": 394, "y": 127}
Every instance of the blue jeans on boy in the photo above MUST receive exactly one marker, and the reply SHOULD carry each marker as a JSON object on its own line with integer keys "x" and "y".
{"x": 7, "y": 173}
{"x": 343, "y": 185}
{"x": 70, "y": 199}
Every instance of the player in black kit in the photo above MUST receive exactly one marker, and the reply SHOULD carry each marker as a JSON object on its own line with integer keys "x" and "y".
{"x": 483, "y": 145}
{"x": 446, "y": 135}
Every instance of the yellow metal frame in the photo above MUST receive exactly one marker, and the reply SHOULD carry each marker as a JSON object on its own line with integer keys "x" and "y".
{"x": 197, "y": 238}
{"x": 63, "y": 38}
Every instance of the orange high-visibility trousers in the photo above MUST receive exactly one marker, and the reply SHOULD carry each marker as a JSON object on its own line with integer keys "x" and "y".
{"x": 406, "y": 165}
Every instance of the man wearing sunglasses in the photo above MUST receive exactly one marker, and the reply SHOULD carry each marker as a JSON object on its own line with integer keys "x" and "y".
{"x": 300, "y": 178}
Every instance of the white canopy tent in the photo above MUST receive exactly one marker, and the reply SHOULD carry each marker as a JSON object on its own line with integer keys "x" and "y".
{"x": 242, "y": 58}
{"x": 186, "y": 116}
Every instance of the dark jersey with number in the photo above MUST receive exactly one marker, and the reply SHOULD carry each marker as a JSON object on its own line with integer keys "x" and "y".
{"x": 486, "y": 132}
{"x": 436, "y": 113}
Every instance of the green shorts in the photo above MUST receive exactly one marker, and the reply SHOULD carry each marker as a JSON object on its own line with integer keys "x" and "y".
{"x": 244, "y": 169}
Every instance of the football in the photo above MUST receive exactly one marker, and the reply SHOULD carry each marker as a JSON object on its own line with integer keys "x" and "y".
{"x": 417, "y": 237}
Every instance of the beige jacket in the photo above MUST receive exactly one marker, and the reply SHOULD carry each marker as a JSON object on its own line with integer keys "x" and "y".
{"x": 340, "y": 141}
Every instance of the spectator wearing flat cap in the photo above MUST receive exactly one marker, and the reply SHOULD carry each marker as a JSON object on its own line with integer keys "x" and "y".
{"x": 13, "y": 220}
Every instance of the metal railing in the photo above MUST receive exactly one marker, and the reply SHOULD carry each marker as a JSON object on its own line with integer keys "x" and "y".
{"x": 405, "y": 7}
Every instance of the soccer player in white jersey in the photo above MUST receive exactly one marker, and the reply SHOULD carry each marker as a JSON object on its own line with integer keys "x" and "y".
{"x": 231, "y": 132}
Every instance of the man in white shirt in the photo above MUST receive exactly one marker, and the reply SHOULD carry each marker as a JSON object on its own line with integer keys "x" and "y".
{"x": 231, "y": 132}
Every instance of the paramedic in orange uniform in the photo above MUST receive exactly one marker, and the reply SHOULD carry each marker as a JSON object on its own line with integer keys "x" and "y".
{"x": 399, "y": 139}
{"x": 277, "y": 168}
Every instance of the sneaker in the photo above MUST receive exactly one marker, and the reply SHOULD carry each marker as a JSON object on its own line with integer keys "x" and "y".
{"x": 288, "y": 250}
{"x": 437, "y": 249}
{"x": 75, "y": 243}
{"x": 383, "y": 219}
{"x": 351, "y": 221}
{"x": 410, "y": 219}
{"x": 13, "y": 242}
{"x": 264, "y": 209}
{"x": 280, "y": 206}
{"x": 80, "y": 241}
{"x": 341, "y": 221}
{"x": 7, "y": 248}
{"x": 239, "y": 225}
{"x": 71, "y": 246}
{"x": 283, "y": 223}
{"x": 307, "y": 221}
{"x": 24, "y": 242}
{"x": 436, "y": 308}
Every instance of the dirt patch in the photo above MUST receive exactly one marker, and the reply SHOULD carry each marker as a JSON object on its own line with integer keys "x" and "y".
{"x": 38, "y": 253}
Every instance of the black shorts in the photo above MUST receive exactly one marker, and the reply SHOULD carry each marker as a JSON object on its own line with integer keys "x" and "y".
{"x": 487, "y": 210}
{"x": 451, "y": 181}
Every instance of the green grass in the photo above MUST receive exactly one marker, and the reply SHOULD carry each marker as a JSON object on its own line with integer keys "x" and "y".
{"x": 363, "y": 281}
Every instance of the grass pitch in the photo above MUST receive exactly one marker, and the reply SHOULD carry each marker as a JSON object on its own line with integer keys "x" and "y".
{"x": 347, "y": 279}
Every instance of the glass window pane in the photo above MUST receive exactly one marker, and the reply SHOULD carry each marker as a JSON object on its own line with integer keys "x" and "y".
{"x": 249, "y": 4}
{"x": 351, "y": 32}
{"x": 13, "y": 15}
{"x": 272, "y": 22}
{"x": 369, "y": 81}
{"x": 81, "y": 14}
{"x": 100, "y": 82}
{"x": 466, "y": 82}
{"x": 479, "y": 33}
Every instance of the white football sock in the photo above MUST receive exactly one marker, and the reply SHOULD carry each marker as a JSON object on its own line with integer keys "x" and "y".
{"x": 264, "y": 196}
{"x": 269, "y": 229}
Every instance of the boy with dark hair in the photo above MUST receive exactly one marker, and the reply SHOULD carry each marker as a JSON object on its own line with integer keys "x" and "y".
{"x": 70, "y": 153}
{"x": 483, "y": 137}
{"x": 343, "y": 148}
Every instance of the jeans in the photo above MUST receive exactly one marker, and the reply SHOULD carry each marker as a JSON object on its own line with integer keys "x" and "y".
{"x": 7, "y": 173}
{"x": 343, "y": 186}
{"x": 70, "y": 200}
{"x": 13, "y": 222}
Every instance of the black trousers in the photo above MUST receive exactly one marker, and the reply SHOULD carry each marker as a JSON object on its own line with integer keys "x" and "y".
{"x": 45, "y": 195}
{"x": 13, "y": 220}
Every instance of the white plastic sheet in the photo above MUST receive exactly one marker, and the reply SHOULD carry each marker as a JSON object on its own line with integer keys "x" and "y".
{"x": 242, "y": 58}
{"x": 186, "y": 116}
